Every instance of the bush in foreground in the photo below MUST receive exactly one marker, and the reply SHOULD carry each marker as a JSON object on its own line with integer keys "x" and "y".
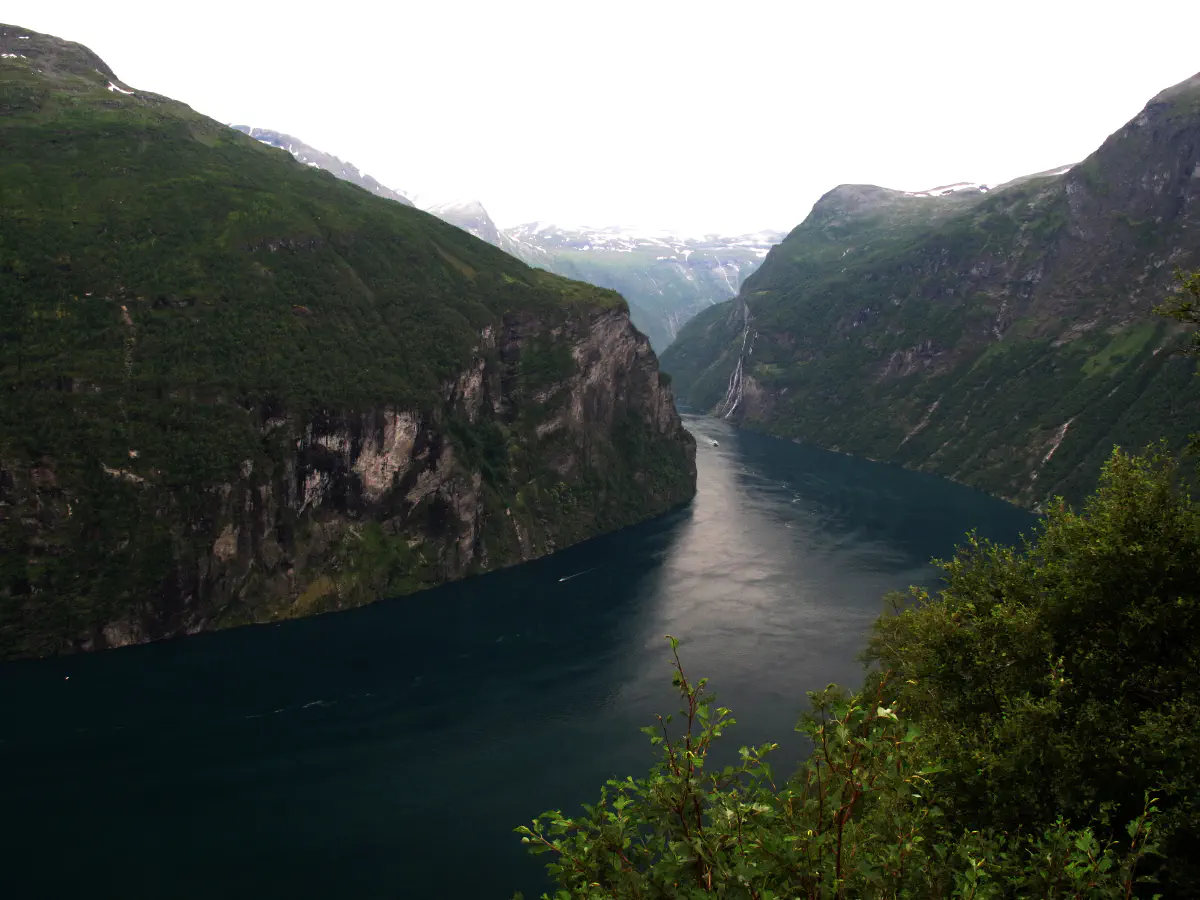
{"x": 1032, "y": 730}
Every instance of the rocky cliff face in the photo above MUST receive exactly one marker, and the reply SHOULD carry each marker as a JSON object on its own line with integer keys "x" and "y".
{"x": 1002, "y": 337}
{"x": 343, "y": 509}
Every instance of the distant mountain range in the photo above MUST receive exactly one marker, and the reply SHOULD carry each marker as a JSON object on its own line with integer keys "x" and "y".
{"x": 666, "y": 278}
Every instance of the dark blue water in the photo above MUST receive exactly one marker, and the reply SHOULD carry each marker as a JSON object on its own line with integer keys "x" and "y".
{"x": 390, "y": 751}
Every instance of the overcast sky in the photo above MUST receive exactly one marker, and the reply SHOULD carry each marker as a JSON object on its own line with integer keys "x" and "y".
{"x": 730, "y": 117}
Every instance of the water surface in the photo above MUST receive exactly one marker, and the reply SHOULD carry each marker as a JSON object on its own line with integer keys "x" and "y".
{"x": 389, "y": 751}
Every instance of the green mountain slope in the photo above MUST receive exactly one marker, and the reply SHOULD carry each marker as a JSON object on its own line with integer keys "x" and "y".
{"x": 238, "y": 389}
{"x": 1002, "y": 338}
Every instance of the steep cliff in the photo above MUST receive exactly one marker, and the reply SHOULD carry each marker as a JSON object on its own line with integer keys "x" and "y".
{"x": 1004, "y": 337}
{"x": 238, "y": 389}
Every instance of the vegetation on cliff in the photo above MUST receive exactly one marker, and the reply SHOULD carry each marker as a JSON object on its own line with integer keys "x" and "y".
{"x": 188, "y": 316}
{"x": 1184, "y": 306}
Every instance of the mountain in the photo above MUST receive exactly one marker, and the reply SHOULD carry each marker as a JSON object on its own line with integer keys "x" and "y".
{"x": 318, "y": 159}
{"x": 238, "y": 389}
{"x": 1001, "y": 337}
{"x": 666, "y": 278}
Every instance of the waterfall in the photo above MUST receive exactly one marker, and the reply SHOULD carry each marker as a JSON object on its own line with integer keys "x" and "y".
{"x": 733, "y": 393}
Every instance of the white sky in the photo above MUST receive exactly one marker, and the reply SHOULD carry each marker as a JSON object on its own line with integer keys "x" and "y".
{"x": 699, "y": 116}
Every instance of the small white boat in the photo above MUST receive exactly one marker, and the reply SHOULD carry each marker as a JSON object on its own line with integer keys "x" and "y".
{"x": 714, "y": 443}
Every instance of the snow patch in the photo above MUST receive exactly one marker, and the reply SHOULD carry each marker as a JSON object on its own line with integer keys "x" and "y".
{"x": 119, "y": 90}
{"x": 946, "y": 190}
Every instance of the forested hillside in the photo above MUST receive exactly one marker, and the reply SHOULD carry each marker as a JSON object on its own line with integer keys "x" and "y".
{"x": 1003, "y": 338}
{"x": 238, "y": 389}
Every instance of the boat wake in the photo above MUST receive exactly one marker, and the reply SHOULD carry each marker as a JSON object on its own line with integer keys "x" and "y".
{"x": 576, "y": 575}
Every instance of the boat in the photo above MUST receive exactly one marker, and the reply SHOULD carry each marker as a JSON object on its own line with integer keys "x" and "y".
{"x": 714, "y": 443}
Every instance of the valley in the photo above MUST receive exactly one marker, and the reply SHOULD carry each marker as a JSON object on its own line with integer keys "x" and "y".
{"x": 348, "y": 539}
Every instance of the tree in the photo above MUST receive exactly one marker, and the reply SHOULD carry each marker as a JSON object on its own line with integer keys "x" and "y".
{"x": 1184, "y": 305}
{"x": 1063, "y": 679}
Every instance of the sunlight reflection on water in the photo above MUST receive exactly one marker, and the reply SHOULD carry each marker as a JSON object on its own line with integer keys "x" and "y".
{"x": 336, "y": 756}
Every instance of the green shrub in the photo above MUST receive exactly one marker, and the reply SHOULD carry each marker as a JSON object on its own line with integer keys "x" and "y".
{"x": 1032, "y": 730}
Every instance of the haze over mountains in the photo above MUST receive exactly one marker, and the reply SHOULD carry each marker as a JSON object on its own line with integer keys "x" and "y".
{"x": 666, "y": 278}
